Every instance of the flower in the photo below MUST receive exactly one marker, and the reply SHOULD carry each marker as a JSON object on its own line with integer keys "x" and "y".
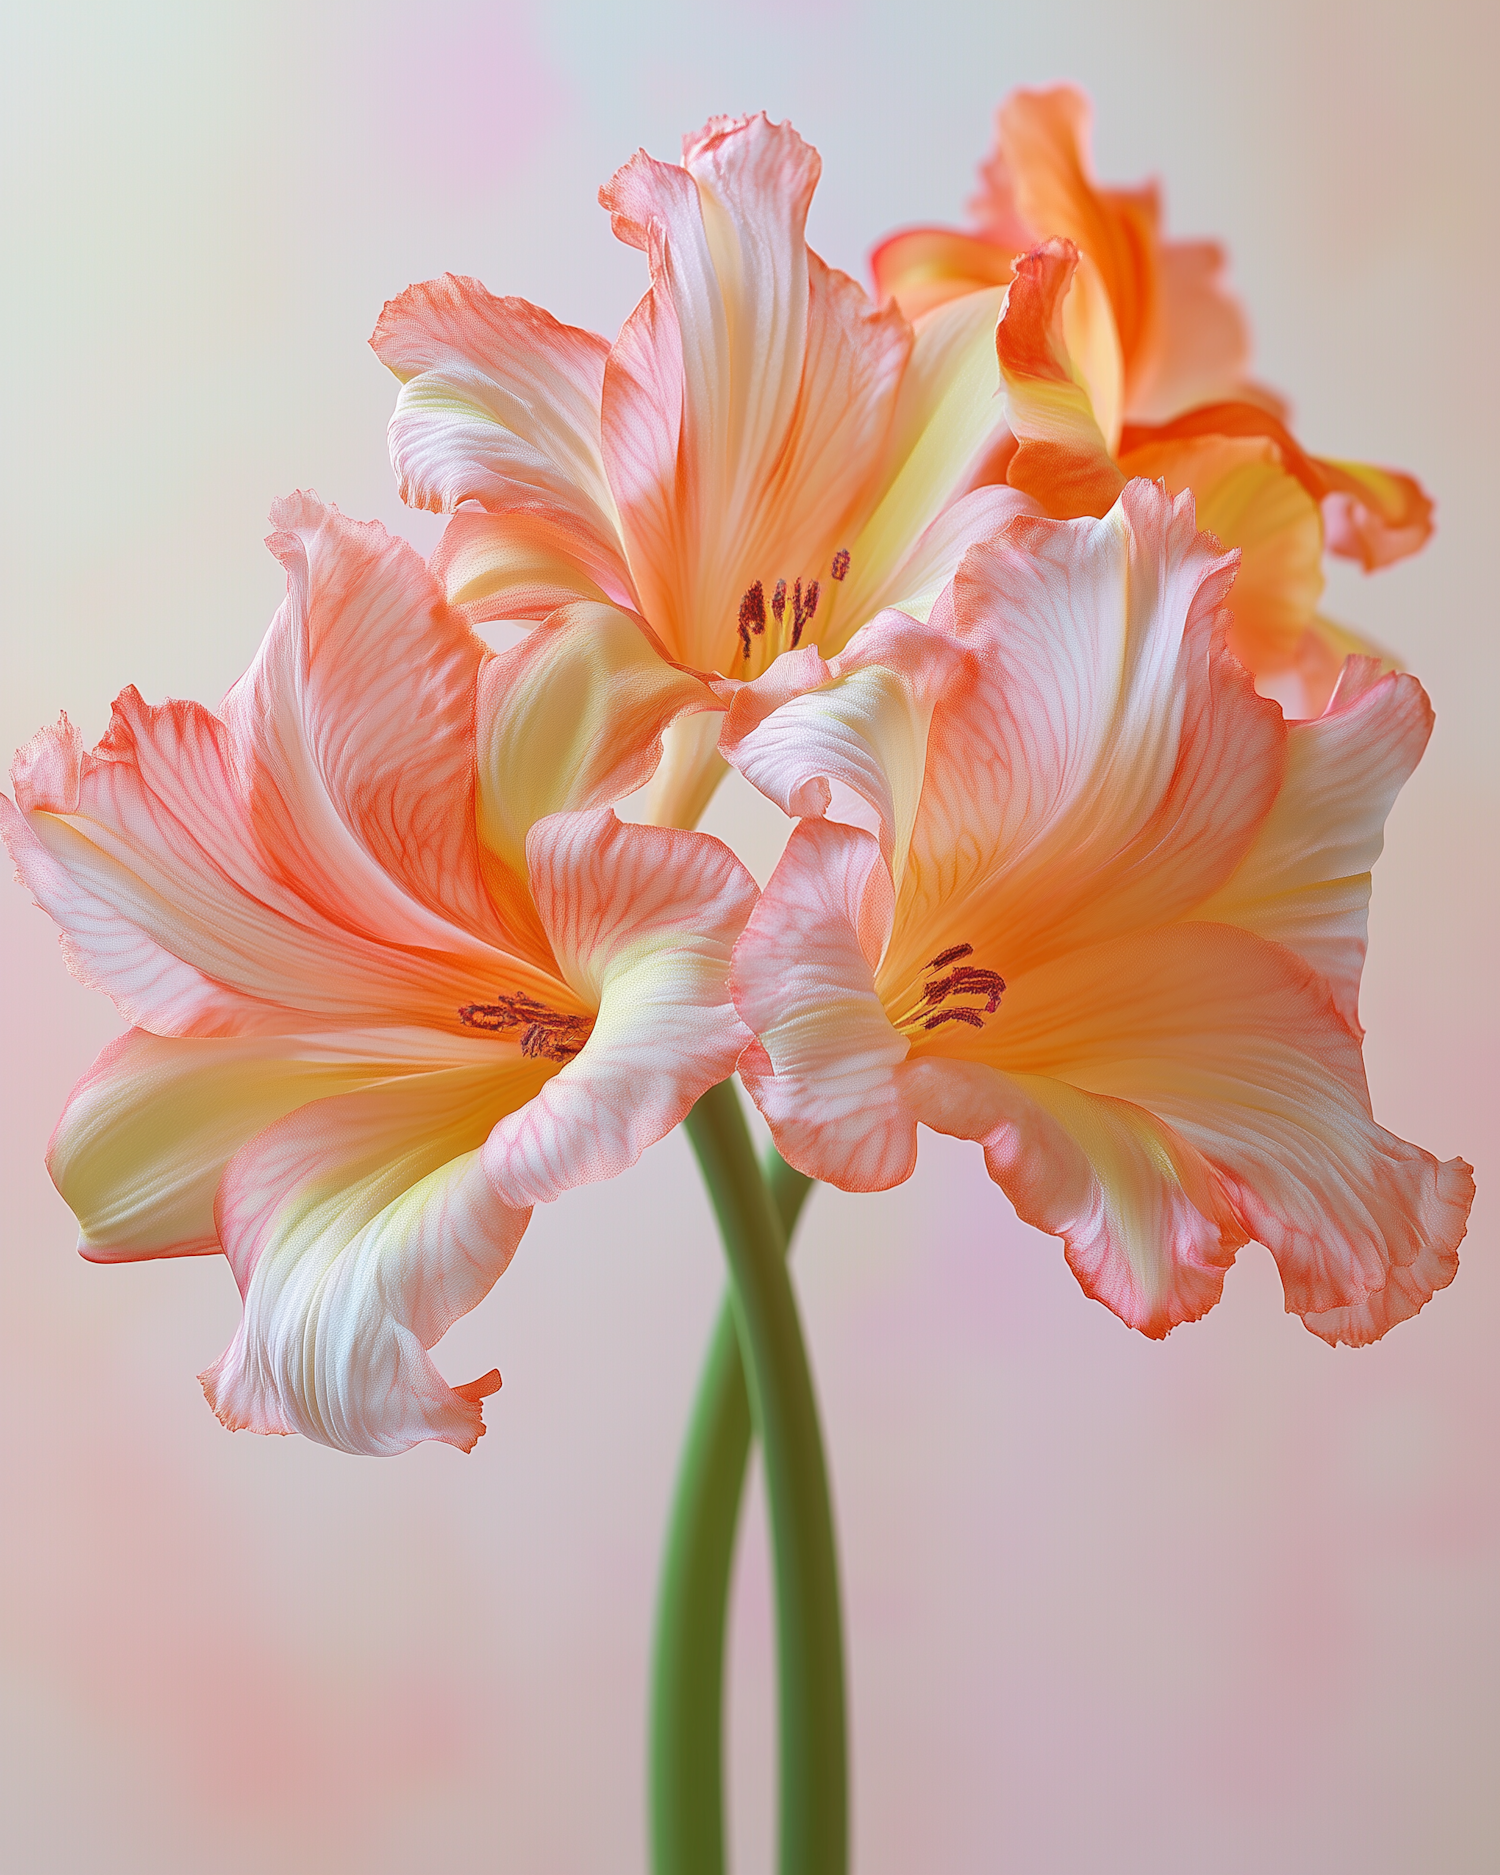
{"x": 1180, "y": 338}
{"x": 395, "y": 970}
{"x": 1156, "y": 349}
{"x": 1254, "y": 486}
{"x": 761, "y": 458}
{"x": 1103, "y": 910}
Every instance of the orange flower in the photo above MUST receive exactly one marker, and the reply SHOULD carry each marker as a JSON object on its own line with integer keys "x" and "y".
{"x": 1253, "y": 485}
{"x": 1103, "y": 912}
{"x": 1124, "y": 355}
{"x": 762, "y": 458}
{"x": 1181, "y": 337}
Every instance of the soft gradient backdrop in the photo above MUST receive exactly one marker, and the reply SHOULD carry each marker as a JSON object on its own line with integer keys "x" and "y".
{"x": 1223, "y": 1606}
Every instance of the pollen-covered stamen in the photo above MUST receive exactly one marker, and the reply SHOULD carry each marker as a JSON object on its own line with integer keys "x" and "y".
{"x": 546, "y": 1034}
{"x": 955, "y": 979}
{"x": 778, "y": 601}
{"x": 950, "y": 956}
{"x": 752, "y": 617}
{"x": 803, "y": 609}
{"x": 840, "y": 567}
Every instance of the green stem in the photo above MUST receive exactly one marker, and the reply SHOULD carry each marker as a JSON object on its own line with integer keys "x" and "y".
{"x": 757, "y": 1215}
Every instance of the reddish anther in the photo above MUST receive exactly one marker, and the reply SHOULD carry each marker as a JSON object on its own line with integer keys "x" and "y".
{"x": 951, "y": 955}
{"x": 840, "y": 566}
{"x": 970, "y": 1016}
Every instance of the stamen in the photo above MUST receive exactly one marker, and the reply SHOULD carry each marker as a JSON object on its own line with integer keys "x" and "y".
{"x": 951, "y": 955}
{"x": 752, "y": 615}
{"x": 778, "y": 601}
{"x": 802, "y": 611}
{"x": 974, "y": 1020}
{"x": 960, "y": 979}
{"x": 840, "y": 563}
{"x": 547, "y": 1034}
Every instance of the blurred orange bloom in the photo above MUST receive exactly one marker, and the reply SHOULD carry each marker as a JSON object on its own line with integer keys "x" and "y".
{"x": 1123, "y": 356}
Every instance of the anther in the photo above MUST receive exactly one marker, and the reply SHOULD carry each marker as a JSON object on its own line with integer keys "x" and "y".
{"x": 802, "y": 609}
{"x": 546, "y": 1034}
{"x": 778, "y": 601}
{"x": 752, "y": 615}
{"x": 840, "y": 563}
{"x": 971, "y": 1016}
{"x": 951, "y": 955}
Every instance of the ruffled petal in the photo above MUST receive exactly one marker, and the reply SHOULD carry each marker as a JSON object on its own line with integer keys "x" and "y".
{"x": 826, "y": 1073}
{"x": 1236, "y": 1046}
{"x": 749, "y": 396}
{"x": 1063, "y": 458}
{"x": 146, "y": 1134}
{"x": 1305, "y": 882}
{"x": 1247, "y": 497}
{"x": 354, "y": 729}
{"x": 642, "y": 921}
{"x": 861, "y": 722}
{"x": 1042, "y": 175}
{"x": 1373, "y": 515}
{"x": 1145, "y": 1227}
{"x": 1107, "y": 763}
{"x": 499, "y": 403}
{"x": 359, "y": 1228}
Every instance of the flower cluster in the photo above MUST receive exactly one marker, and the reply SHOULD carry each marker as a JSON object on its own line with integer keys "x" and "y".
{"x": 992, "y": 585}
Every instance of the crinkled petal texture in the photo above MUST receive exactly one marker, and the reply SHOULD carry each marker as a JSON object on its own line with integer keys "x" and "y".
{"x": 758, "y": 421}
{"x": 1117, "y": 940}
{"x": 362, "y": 920}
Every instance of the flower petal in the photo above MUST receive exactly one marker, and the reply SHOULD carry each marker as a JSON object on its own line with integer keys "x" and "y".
{"x": 921, "y": 268}
{"x": 1247, "y": 497}
{"x": 826, "y": 1074}
{"x": 570, "y": 718}
{"x": 861, "y": 721}
{"x": 354, "y": 727}
{"x": 1373, "y": 515}
{"x": 523, "y": 564}
{"x": 1305, "y": 881}
{"x": 147, "y": 1133}
{"x": 749, "y": 396}
{"x": 499, "y": 403}
{"x": 1145, "y": 1228}
{"x": 1236, "y": 1046}
{"x": 359, "y": 1228}
{"x": 949, "y": 418}
{"x": 1043, "y": 173}
{"x": 642, "y": 921}
{"x": 1202, "y": 337}
{"x": 1063, "y": 460}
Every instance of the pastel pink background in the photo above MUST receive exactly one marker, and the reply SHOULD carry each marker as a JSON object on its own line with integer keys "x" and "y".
{"x": 1226, "y": 1604}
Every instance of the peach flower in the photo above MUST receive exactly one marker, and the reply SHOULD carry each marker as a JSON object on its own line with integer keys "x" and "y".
{"x": 1180, "y": 338}
{"x": 394, "y": 969}
{"x": 762, "y": 458}
{"x": 1102, "y": 909}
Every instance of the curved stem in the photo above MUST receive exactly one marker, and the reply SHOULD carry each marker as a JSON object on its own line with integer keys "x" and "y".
{"x": 756, "y": 1216}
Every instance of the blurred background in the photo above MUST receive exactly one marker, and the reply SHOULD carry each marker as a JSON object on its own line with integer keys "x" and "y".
{"x": 1225, "y": 1604}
